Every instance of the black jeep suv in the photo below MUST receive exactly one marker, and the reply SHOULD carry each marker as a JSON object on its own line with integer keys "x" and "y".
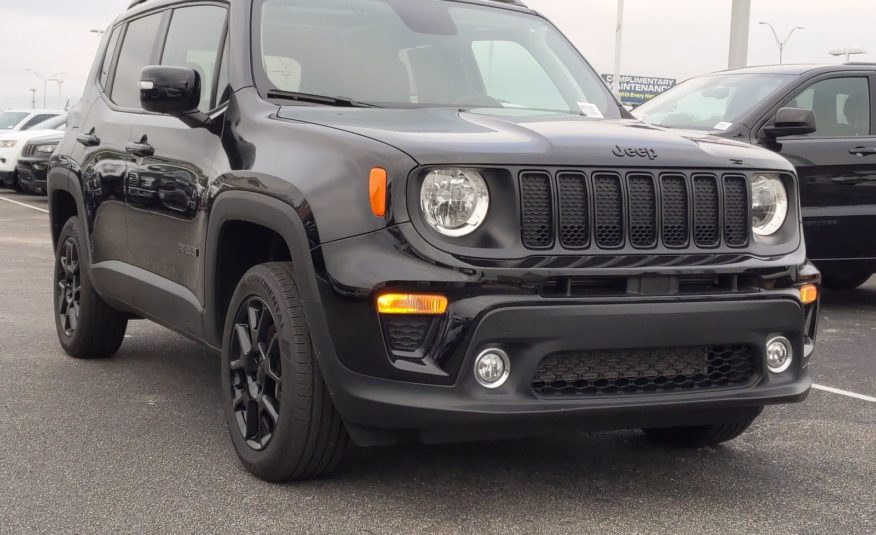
{"x": 821, "y": 118}
{"x": 420, "y": 219}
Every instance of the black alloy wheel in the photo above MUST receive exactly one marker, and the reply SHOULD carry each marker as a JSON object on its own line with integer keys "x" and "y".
{"x": 256, "y": 373}
{"x": 69, "y": 287}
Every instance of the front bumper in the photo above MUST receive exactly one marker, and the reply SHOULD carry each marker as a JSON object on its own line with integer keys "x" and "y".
{"x": 32, "y": 172}
{"x": 434, "y": 394}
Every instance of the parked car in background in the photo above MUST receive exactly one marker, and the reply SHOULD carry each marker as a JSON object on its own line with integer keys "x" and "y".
{"x": 15, "y": 120}
{"x": 12, "y": 145}
{"x": 818, "y": 117}
{"x": 34, "y": 162}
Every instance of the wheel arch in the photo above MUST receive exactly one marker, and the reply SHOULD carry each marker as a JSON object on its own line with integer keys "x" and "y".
{"x": 233, "y": 208}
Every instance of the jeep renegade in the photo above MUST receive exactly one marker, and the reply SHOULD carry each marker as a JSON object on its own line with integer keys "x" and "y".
{"x": 421, "y": 219}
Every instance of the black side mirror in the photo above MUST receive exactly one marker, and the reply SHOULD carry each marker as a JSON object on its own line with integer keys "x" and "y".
{"x": 170, "y": 90}
{"x": 791, "y": 122}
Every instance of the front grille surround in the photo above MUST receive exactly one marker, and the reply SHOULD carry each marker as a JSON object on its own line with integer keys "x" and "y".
{"x": 609, "y": 210}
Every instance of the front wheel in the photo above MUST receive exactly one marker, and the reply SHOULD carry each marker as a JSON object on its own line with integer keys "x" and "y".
{"x": 283, "y": 423}
{"x": 701, "y": 436}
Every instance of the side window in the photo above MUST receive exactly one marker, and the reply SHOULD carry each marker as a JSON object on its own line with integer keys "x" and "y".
{"x": 193, "y": 41}
{"x": 37, "y": 119}
{"x": 841, "y": 106}
{"x": 107, "y": 61}
{"x": 136, "y": 53}
{"x": 514, "y": 77}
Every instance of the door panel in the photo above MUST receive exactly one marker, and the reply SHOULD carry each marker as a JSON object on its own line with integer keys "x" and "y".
{"x": 837, "y": 168}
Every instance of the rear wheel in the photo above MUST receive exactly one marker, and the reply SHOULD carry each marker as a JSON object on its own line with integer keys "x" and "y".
{"x": 87, "y": 326}
{"x": 283, "y": 423}
{"x": 701, "y": 436}
{"x": 845, "y": 278}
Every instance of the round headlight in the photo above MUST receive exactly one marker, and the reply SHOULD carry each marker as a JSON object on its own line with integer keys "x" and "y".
{"x": 769, "y": 204}
{"x": 454, "y": 201}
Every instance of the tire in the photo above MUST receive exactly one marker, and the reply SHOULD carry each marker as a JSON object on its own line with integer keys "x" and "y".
{"x": 87, "y": 326}
{"x": 15, "y": 184}
{"x": 700, "y": 436}
{"x": 845, "y": 279}
{"x": 282, "y": 421}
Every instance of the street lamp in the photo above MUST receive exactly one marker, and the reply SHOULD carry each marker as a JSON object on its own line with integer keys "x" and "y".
{"x": 60, "y": 82}
{"x": 98, "y": 32}
{"x": 779, "y": 42}
{"x": 45, "y": 81}
{"x": 847, "y": 51}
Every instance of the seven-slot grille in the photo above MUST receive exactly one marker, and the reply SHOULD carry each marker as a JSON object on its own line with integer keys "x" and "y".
{"x": 610, "y": 210}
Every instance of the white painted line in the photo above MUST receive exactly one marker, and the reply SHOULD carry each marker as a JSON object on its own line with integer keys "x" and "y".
{"x": 844, "y": 393}
{"x": 25, "y": 205}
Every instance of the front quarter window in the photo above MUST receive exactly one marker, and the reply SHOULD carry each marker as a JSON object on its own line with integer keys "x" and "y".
{"x": 423, "y": 53}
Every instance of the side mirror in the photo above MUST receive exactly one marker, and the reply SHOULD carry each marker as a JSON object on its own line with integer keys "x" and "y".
{"x": 170, "y": 90}
{"x": 791, "y": 122}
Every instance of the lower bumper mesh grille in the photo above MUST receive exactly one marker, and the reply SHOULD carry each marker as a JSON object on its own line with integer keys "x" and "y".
{"x": 643, "y": 371}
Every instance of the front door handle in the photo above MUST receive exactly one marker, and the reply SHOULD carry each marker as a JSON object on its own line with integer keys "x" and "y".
{"x": 89, "y": 139}
{"x": 143, "y": 148}
{"x": 863, "y": 151}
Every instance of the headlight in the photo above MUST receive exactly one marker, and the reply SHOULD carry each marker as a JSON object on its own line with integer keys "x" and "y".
{"x": 7, "y": 144}
{"x": 769, "y": 204}
{"x": 46, "y": 149}
{"x": 454, "y": 201}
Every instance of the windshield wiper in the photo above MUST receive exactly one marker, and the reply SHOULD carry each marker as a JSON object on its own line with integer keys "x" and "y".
{"x": 343, "y": 102}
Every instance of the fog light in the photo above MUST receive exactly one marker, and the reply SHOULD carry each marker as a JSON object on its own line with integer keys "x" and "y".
{"x": 492, "y": 368}
{"x": 779, "y": 354}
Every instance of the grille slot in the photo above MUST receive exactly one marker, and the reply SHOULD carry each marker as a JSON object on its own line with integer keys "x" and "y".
{"x": 675, "y": 211}
{"x": 643, "y": 211}
{"x": 736, "y": 207}
{"x": 537, "y": 210}
{"x": 29, "y": 150}
{"x": 644, "y": 371}
{"x": 574, "y": 210}
{"x": 706, "y": 216}
{"x": 609, "y": 210}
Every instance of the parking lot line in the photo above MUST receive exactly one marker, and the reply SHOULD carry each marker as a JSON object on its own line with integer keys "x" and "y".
{"x": 24, "y": 204}
{"x": 844, "y": 393}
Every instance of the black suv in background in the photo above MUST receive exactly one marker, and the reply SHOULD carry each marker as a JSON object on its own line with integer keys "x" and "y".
{"x": 420, "y": 219}
{"x": 821, "y": 118}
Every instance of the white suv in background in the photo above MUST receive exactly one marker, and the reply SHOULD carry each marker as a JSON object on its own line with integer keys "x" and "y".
{"x": 12, "y": 142}
{"x": 15, "y": 120}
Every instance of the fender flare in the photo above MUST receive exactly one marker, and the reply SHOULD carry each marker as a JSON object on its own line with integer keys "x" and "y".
{"x": 271, "y": 213}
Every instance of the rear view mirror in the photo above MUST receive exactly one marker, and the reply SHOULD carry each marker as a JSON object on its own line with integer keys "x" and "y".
{"x": 170, "y": 90}
{"x": 791, "y": 122}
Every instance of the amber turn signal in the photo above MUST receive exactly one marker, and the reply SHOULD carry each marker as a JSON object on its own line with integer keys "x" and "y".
{"x": 809, "y": 294}
{"x": 377, "y": 191}
{"x": 411, "y": 304}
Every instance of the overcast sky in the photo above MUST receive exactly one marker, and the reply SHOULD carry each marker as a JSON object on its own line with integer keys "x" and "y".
{"x": 671, "y": 38}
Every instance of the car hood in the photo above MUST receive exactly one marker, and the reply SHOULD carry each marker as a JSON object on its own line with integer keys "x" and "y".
{"x": 448, "y": 136}
{"x": 27, "y": 135}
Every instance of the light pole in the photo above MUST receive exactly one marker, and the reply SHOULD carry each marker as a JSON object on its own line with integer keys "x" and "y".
{"x": 45, "y": 81}
{"x": 33, "y": 98}
{"x": 60, "y": 82}
{"x": 779, "y": 42}
{"x": 618, "y": 46}
{"x": 847, "y": 51}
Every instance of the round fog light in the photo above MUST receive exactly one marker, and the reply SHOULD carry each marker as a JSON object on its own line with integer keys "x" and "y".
{"x": 779, "y": 354}
{"x": 492, "y": 368}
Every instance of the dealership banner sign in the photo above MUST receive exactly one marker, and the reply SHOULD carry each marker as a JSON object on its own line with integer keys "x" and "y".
{"x": 635, "y": 90}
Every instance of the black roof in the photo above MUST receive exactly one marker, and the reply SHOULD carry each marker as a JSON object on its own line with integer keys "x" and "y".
{"x": 800, "y": 69}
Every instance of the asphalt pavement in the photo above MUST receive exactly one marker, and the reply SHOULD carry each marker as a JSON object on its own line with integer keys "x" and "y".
{"x": 138, "y": 444}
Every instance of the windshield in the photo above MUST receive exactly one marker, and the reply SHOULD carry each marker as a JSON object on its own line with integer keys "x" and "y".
{"x": 55, "y": 123}
{"x": 424, "y": 53}
{"x": 710, "y": 102}
{"x": 9, "y": 119}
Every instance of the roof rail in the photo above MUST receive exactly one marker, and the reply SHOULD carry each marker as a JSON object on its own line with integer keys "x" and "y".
{"x": 860, "y": 63}
{"x": 511, "y": 2}
{"x": 136, "y": 3}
